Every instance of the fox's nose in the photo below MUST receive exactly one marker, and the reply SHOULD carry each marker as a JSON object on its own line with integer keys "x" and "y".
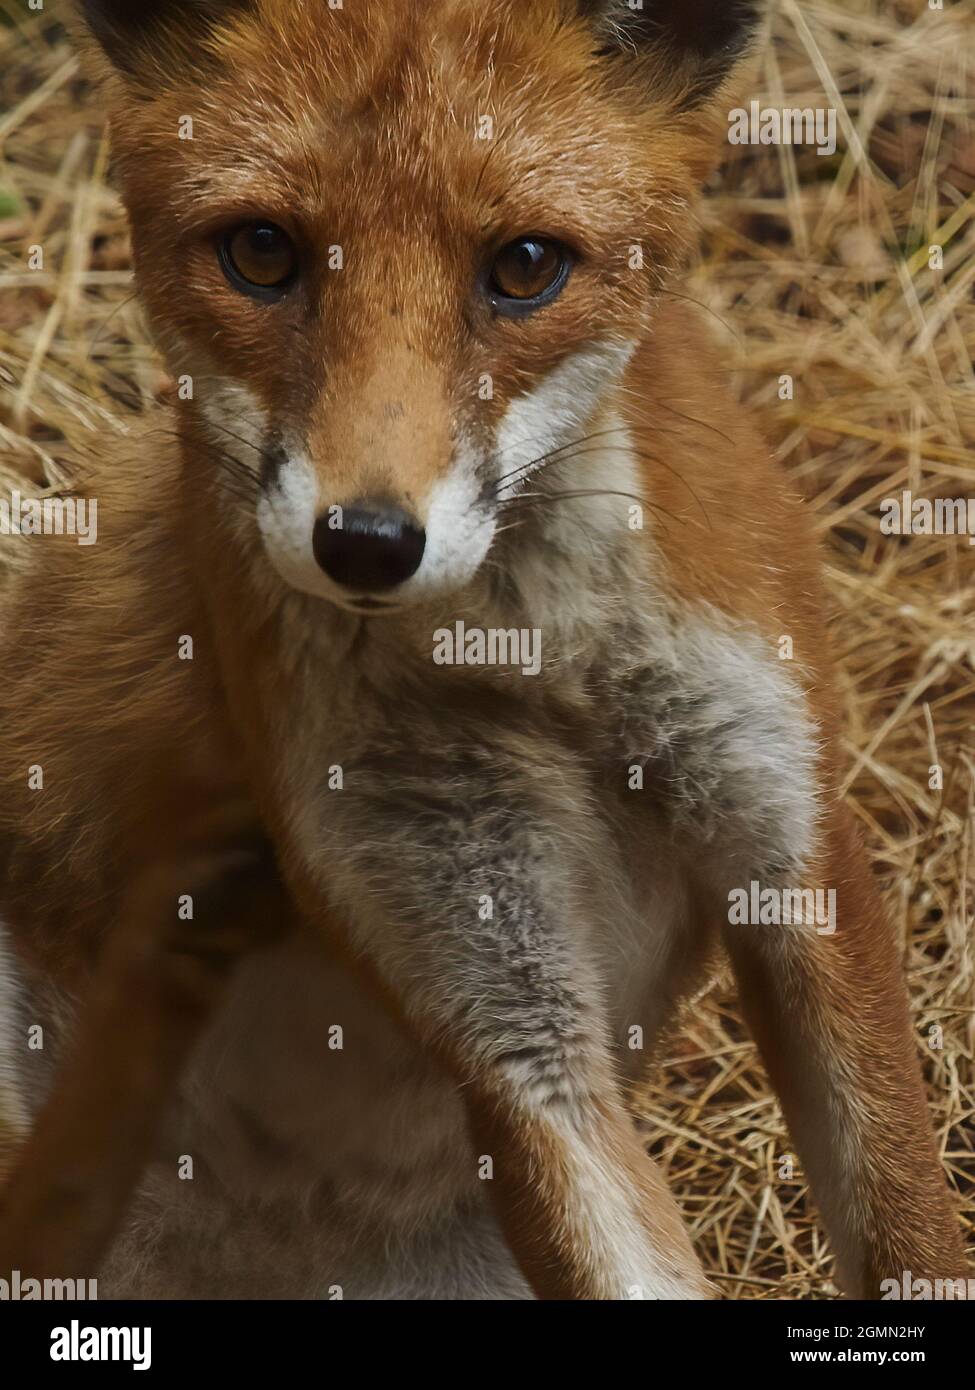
{"x": 374, "y": 547}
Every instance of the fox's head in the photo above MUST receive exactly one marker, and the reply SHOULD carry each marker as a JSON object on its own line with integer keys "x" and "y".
{"x": 402, "y": 249}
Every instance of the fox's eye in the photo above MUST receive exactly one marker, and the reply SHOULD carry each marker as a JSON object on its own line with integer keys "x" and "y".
{"x": 529, "y": 270}
{"x": 259, "y": 258}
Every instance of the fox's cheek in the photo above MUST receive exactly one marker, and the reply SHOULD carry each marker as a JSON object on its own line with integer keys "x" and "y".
{"x": 280, "y": 480}
{"x": 236, "y": 422}
{"x": 460, "y": 525}
{"x": 286, "y": 514}
{"x": 546, "y": 424}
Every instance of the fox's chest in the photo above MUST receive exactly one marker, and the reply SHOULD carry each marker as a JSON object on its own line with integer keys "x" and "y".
{"x": 673, "y": 724}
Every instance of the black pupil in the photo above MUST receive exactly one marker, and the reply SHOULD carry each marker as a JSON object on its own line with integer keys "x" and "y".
{"x": 266, "y": 241}
{"x": 529, "y": 257}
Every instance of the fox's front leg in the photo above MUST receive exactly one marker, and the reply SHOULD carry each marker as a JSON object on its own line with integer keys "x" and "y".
{"x": 461, "y": 885}
{"x": 158, "y": 983}
{"x": 739, "y": 764}
{"x": 829, "y": 1012}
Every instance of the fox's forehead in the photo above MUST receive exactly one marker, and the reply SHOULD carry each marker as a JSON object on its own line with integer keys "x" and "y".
{"x": 475, "y": 113}
{"x": 371, "y": 53}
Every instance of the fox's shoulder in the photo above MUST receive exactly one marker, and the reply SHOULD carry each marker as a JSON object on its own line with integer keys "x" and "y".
{"x": 124, "y": 484}
{"x": 728, "y": 523}
{"x": 85, "y": 620}
{"x": 109, "y": 685}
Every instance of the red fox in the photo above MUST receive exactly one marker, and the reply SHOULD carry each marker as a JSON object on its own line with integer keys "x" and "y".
{"x": 483, "y": 574}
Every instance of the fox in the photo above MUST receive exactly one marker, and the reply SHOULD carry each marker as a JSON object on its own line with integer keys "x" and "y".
{"x": 415, "y": 269}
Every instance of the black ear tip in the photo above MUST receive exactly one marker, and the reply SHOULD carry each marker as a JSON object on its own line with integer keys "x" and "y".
{"x": 118, "y": 17}
{"x": 124, "y": 27}
{"x": 702, "y": 26}
{"x": 741, "y": 19}
{"x": 708, "y": 35}
{"x": 119, "y": 27}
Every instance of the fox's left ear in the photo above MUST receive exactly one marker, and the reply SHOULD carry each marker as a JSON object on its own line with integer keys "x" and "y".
{"x": 703, "y": 39}
{"x": 132, "y": 31}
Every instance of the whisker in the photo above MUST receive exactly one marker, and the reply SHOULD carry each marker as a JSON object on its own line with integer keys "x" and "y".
{"x": 96, "y": 338}
{"x": 665, "y": 405}
{"x": 529, "y": 499}
{"x": 562, "y": 455}
{"x": 644, "y": 456}
{"x": 246, "y": 483}
{"x": 552, "y": 455}
{"x": 215, "y": 424}
{"x": 689, "y": 298}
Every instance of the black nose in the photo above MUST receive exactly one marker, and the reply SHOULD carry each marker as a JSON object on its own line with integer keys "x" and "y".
{"x": 375, "y": 547}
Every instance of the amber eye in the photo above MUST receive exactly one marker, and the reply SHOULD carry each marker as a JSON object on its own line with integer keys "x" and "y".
{"x": 259, "y": 258}
{"x": 528, "y": 269}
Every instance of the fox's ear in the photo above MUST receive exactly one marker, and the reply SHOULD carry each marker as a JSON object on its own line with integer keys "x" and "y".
{"x": 702, "y": 38}
{"x": 130, "y": 29}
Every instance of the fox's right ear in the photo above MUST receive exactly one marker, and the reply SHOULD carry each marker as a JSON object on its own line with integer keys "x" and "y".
{"x": 131, "y": 30}
{"x": 698, "y": 41}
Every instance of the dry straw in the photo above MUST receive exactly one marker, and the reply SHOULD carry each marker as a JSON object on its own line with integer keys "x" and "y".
{"x": 817, "y": 268}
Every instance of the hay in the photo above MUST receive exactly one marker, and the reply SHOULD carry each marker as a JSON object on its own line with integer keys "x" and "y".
{"x": 818, "y": 268}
